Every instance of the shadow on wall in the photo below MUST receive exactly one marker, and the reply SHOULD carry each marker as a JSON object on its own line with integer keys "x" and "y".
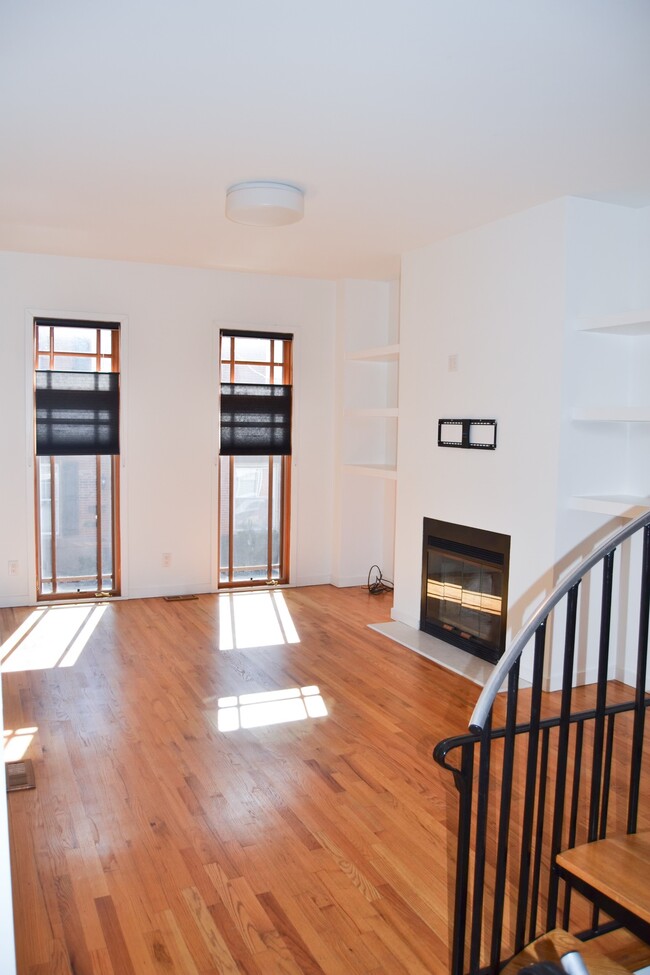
{"x": 520, "y": 612}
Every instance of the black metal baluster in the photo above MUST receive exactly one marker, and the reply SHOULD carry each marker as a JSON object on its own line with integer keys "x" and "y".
{"x": 607, "y": 775}
{"x": 640, "y": 703}
{"x": 539, "y": 834}
{"x": 573, "y": 820}
{"x": 463, "y": 778}
{"x": 504, "y": 816}
{"x": 479, "y": 847}
{"x": 601, "y": 695}
{"x": 604, "y": 805}
{"x": 563, "y": 746}
{"x": 531, "y": 786}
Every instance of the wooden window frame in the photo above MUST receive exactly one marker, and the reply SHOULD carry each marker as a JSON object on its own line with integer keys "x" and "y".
{"x": 98, "y": 356}
{"x": 285, "y": 463}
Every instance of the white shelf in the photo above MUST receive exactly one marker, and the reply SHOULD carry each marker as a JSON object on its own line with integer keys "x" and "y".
{"x": 385, "y": 411}
{"x": 630, "y": 323}
{"x": 373, "y": 470}
{"x": 379, "y": 354}
{"x": 383, "y": 353}
{"x": 620, "y": 505}
{"x": 613, "y": 414}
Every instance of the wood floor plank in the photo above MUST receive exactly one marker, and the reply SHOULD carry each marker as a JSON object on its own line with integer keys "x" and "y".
{"x": 175, "y": 944}
{"x": 74, "y": 933}
{"x": 58, "y": 963}
{"x": 244, "y": 909}
{"x": 211, "y": 936}
{"x": 303, "y": 958}
{"x": 115, "y": 940}
{"x": 158, "y": 841}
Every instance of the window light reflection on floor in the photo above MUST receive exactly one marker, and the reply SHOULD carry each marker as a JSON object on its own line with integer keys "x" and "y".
{"x": 52, "y": 637}
{"x": 254, "y": 619}
{"x": 270, "y": 707}
{"x": 16, "y": 743}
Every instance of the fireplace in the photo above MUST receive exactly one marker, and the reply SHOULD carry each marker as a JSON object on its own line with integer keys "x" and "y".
{"x": 465, "y": 587}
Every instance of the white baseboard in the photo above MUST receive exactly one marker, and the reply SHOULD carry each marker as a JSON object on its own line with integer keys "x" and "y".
{"x": 301, "y": 581}
{"x": 348, "y": 582}
{"x": 8, "y": 602}
{"x": 153, "y": 592}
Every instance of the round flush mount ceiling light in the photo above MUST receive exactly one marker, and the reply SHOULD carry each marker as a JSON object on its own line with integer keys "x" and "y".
{"x": 263, "y": 203}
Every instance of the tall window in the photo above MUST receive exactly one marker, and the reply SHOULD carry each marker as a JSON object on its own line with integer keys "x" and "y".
{"x": 255, "y": 461}
{"x": 76, "y": 398}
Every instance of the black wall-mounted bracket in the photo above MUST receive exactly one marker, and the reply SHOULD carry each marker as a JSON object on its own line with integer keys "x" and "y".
{"x": 474, "y": 434}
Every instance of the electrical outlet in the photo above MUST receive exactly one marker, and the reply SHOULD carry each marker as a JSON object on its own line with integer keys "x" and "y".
{"x": 12, "y": 567}
{"x": 452, "y": 362}
{"x": 166, "y": 559}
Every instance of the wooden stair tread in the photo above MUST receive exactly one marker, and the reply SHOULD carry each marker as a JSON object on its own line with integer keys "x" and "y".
{"x": 629, "y": 951}
{"x": 550, "y": 947}
{"x": 618, "y": 867}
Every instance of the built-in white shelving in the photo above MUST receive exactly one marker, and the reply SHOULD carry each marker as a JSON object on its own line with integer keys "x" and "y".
{"x": 383, "y": 354}
{"x": 636, "y": 323}
{"x": 630, "y": 323}
{"x": 618, "y": 505}
{"x": 613, "y": 414}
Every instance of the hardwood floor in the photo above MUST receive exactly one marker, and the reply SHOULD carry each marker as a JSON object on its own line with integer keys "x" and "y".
{"x": 159, "y": 841}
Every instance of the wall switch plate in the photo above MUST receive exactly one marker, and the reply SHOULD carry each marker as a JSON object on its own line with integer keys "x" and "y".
{"x": 480, "y": 434}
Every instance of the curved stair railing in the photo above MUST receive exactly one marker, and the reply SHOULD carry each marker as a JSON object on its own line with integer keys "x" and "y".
{"x": 541, "y": 773}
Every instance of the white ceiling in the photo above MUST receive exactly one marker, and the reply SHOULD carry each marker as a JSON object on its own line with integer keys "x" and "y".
{"x": 122, "y": 122}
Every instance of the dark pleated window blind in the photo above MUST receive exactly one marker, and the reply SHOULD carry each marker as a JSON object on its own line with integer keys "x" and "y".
{"x": 255, "y": 419}
{"x": 77, "y": 413}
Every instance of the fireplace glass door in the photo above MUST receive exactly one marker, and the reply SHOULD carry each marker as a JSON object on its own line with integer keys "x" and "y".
{"x": 465, "y": 595}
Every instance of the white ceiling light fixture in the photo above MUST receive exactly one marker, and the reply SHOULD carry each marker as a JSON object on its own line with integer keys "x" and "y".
{"x": 263, "y": 203}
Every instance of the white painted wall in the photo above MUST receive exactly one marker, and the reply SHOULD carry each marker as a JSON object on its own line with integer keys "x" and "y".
{"x": 495, "y": 298}
{"x": 170, "y": 437}
{"x": 505, "y": 299}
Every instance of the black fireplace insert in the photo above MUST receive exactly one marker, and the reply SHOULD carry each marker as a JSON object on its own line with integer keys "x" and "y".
{"x": 465, "y": 587}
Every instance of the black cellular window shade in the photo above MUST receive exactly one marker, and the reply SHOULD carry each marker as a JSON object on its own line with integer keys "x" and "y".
{"x": 77, "y": 413}
{"x": 255, "y": 419}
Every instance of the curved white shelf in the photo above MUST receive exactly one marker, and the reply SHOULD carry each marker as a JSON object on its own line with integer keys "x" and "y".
{"x": 382, "y": 353}
{"x": 613, "y": 414}
{"x": 373, "y": 470}
{"x": 629, "y": 323}
{"x": 620, "y": 505}
{"x": 625, "y": 324}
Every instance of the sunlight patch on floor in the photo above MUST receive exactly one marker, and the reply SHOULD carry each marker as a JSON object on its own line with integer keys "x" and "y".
{"x": 270, "y": 707}
{"x": 254, "y": 619}
{"x": 51, "y": 637}
{"x": 16, "y": 743}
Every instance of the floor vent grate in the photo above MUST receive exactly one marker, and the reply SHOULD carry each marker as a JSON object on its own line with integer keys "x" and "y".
{"x": 20, "y": 775}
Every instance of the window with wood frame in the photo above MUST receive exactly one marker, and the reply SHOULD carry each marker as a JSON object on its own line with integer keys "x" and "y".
{"x": 255, "y": 457}
{"x": 76, "y": 427}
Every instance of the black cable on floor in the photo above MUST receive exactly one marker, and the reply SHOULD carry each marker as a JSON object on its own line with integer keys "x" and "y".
{"x": 379, "y": 584}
